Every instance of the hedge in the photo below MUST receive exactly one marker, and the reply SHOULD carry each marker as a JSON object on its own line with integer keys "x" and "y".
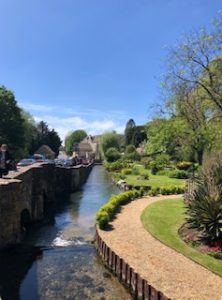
{"x": 107, "y": 212}
{"x": 171, "y": 190}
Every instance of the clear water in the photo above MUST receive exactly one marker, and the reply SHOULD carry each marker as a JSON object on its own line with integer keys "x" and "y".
{"x": 58, "y": 259}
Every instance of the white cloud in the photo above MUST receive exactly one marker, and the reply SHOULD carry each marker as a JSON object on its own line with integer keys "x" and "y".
{"x": 70, "y": 111}
{"x": 65, "y": 119}
{"x": 63, "y": 125}
{"x": 36, "y": 107}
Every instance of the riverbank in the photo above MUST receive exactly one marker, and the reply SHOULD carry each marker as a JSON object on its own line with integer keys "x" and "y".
{"x": 176, "y": 276}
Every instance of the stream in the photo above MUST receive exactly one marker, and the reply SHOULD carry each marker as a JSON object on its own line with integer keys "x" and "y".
{"x": 57, "y": 259}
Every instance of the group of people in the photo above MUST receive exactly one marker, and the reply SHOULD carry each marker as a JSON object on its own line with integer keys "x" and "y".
{"x": 6, "y": 160}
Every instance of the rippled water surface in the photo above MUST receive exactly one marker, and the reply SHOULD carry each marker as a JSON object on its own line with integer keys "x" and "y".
{"x": 58, "y": 260}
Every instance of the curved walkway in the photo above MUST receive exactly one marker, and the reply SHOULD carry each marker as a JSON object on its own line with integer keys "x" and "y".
{"x": 165, "y": 269}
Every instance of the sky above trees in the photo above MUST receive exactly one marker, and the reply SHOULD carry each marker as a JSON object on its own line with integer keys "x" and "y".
{"x": 92, "y": 64}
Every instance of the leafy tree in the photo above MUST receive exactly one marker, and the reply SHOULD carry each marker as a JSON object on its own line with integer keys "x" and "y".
{"x": 194, "y": 62}
{"x": 109, "y": 140}
{"x": 11, "y": 122}
{"x": 131, "y": 153}
{"x": 45, "y": 136}
{"x": 194, "y": 89}
{"x": 112, "y": 154}
{"x": 130, "y": 149}
{"x": 130, "y": 132}
{"x": 140, "y": 135}
{"x": 73, "y": 138}
{"x": 30, "y": 131}
{"x": 134, "y": 135}
{"x": 168, "y": 136}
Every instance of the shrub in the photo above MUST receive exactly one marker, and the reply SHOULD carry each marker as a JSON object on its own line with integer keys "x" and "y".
{"x": 204, "y": 208}
{"x": 141, "y": 192}
{"x": 170, "y": 190}
{"x": 161, "y": 161}
{"x": 184, "y": 165}
{"x": 117, "y": 176}
{"x": 112, "y": 154}
{"x": 135, "y": 170}
{"x": 163, "y": 172}
{"x": 143, "y": 176}
{"x": 155, "y": 167}
{"x": 126, "y": 171}
{"x": 178, "y": 174}
{"x": 145, "y": 161}
{"x": 180, "y": 190}
{"x": 108, "y": 210}
{"x": 154, "y": 191}
{"x": 115, "y": 166}
{"x": 102, "y": 219}
{"x": 134, "y": 156}
{"x": 130, "y": 149}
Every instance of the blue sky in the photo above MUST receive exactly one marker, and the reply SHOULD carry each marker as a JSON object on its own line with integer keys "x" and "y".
{"x": 92, "y": 64}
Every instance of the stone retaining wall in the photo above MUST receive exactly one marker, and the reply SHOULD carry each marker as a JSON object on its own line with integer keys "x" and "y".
{"x": 140, "y": 288}
{"x": 24, "y": 196}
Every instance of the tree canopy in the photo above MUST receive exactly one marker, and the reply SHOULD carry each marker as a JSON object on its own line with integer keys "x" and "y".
{"x": 73, "y": 138}
{"x": 109, "y": 140}
{"x": 45, "y": 136}
{"x": 12, "y": 131}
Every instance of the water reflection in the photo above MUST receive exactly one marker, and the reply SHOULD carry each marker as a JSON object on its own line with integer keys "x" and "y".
{"x": 57, "y": 260}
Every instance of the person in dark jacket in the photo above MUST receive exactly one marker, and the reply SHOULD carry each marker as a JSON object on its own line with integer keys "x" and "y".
{"x": 5, "y": 160}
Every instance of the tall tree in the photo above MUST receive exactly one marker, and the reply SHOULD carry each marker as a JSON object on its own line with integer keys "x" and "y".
{"x": 130, "y": 132}
{"x": 11, "y": 121}
{"x": 196, "y": 61}
{"x": 30, "y": 131}
{"x": 73, "y": 138}
{"x": 109, "y": 140}
{"x": 45, "y": 136}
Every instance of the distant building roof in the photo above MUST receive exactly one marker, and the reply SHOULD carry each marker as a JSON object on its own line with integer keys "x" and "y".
{"x": 46, "y": 151}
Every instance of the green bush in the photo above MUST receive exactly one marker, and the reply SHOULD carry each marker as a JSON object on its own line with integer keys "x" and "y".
{"x": 108, "y": 210}
{"x": 161, "y": 161}
{"x": 142, "y": 192}
{"x": 134, "y": 156}
{"x": 115, "y": 166}
{"x": 184, "y": 165}
{"x": 102, "y": 219}
{"x": 180, "y": 174}
{"x": 126, "y": 171}
{"x": 180, "y": 190}
{"x": 117, "y": 176}
{"x": 145, "y": 161}
{"x": 143, "y": 176}
{"x": 135, "y": 170}
{"x": 112, "y": 154}
{"x": 163, "y": 172}
{"x": 155, "y": 167}
{"x": 170, "y": 190}
{"x": 154, "y": 191}
{"x": 130, "y": 149}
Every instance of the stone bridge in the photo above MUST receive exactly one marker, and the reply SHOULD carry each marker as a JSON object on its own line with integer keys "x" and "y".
{"x": 24, "y": 196}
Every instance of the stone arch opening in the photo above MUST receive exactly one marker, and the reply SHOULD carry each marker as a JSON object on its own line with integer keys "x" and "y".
{"x": 25, "y": 219}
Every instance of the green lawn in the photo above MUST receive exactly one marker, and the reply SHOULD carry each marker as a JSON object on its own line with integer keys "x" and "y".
{"x": 155, "y": 181}
{"x": 163, "y": 219}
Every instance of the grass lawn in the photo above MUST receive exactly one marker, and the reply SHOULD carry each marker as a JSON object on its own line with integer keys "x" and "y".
{"x": 155, "y": 181}
{"x": 163, "y": 219}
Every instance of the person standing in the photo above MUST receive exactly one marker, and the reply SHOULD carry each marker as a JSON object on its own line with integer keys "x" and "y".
{"x": 5, "y": 160}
